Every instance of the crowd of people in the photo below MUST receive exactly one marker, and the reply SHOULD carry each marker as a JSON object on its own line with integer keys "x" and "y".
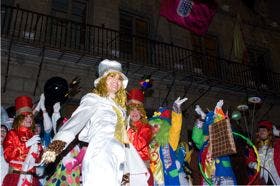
{"x": 109, "y": 140}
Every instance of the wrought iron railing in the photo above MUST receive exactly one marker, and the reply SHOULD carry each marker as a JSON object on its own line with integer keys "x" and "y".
{"x": 63, "y": 34}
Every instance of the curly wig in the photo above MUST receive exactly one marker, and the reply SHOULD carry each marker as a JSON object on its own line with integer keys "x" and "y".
{"x": 102, "y": 91}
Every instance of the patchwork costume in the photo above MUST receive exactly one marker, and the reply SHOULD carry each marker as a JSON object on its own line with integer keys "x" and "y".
{"x": 217, "y": 169}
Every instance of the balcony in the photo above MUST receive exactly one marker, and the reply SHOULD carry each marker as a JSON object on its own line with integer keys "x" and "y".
{"x": 43, "y": 31}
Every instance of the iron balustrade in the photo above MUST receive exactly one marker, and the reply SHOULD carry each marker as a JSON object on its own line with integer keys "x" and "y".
{"x": 67, "y": 35}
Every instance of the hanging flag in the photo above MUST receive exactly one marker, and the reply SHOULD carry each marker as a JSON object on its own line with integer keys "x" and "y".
{"x": 239, "y": 48}
{"x": 193, "y": 15}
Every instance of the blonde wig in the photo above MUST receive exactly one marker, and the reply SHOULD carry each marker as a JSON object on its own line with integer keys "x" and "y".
{"x": 141, "y": 109}
{"x": 101, "y": 90}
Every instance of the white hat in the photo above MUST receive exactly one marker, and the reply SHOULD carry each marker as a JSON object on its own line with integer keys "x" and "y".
{"x": 106, "y": 66}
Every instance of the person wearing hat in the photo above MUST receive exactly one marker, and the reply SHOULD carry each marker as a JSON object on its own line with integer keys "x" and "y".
{"x": 100, "y": 122}
{"x": 166, "y": 127}
{"x": 218, "y": 170}
{"x": 268, "y": 145}
{"x": 21, "y": 147}
{"x": 139, "y": 131}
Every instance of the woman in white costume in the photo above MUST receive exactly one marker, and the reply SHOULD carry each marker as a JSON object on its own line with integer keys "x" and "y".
{"x": 100, "y": 119}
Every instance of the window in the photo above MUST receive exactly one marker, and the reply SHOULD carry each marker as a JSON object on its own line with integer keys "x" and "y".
{"x": 69, "y": 33}
{"x": 259, "y": 61}
{"x": 134, "y": 32}
{"x": 205, "y": 53}
{"x": 74, "y": 10}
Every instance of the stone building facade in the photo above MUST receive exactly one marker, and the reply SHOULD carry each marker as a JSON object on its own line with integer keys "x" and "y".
{"x": 26, "y": 68}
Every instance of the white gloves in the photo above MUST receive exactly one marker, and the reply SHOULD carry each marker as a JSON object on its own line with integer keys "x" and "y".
{"x": 275, "y": 131}
{"x": 220, "y": 104}
{"x": 34, "y": 140}
{"x": 41, "y": 104}
{"x": 177, "y": 104}
{"x": 55, "y": 115}
{"x": 199, "y": 123}
{"x": 56, "y": 107}
{"x": 252, "y": 165}
{"x": 199, "y": 111}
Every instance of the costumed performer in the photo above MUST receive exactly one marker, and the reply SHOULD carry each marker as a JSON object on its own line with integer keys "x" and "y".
{"x": 219, "y": 169}
{"x": 268, "y": 145}
{"x": 166, "y": 136}
{"x": 100, "y": 119}
{"x": 21, "y": 147}
{"x": 139, "y": 131}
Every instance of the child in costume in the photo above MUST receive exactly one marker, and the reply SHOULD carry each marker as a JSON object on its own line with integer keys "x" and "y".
{"x": 268, "y": 145}
{"x": 164, "y": 144}
{"x": 22, "y": 149}
{"x": 218, "y": 170}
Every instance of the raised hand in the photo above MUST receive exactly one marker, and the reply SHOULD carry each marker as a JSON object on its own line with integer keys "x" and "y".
{"x": 42, "y": 102}
{"x": 220, "y": 104}
{"x": 177, "y": 104}
{"x": 56, "y": 107}
{"x": 199, "y": 111}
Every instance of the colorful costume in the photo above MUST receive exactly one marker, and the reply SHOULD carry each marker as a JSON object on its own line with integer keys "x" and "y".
{"x": 140, "y": 136}
{"x": 140, "y": 132}
{"x": 64, "y": 176}
{"x": 219, "y": 169}
{"x": 100, "y": 121}
{"x": 164, "y": 145}
{"x": 22, "y": 157}
{"x": 269, "y": 153}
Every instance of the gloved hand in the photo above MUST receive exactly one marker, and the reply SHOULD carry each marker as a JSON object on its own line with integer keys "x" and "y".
{"x": 199, "y": 111}
{"x": 34, "y": 140}
{"x": 199, "y": 123}
{"x": 56, "y": 107}
{"x": 42, "y": 102}
{"x": 252, "y": 165}
{"x": 275, "y": 131}
{"x": 220, "y": 104}
{"x": 177, "y": 104}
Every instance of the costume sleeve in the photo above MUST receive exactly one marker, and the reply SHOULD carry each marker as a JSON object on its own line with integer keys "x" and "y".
{"x": 47, "y": 122}
{"x": 198, "y": 137}
{"x": 175, "y": 130}
{"x": 77, "y": 122}
{"x": 12, "y": 147}
{"x": 55, "y": 117}
{"x": 142, "y": 138}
